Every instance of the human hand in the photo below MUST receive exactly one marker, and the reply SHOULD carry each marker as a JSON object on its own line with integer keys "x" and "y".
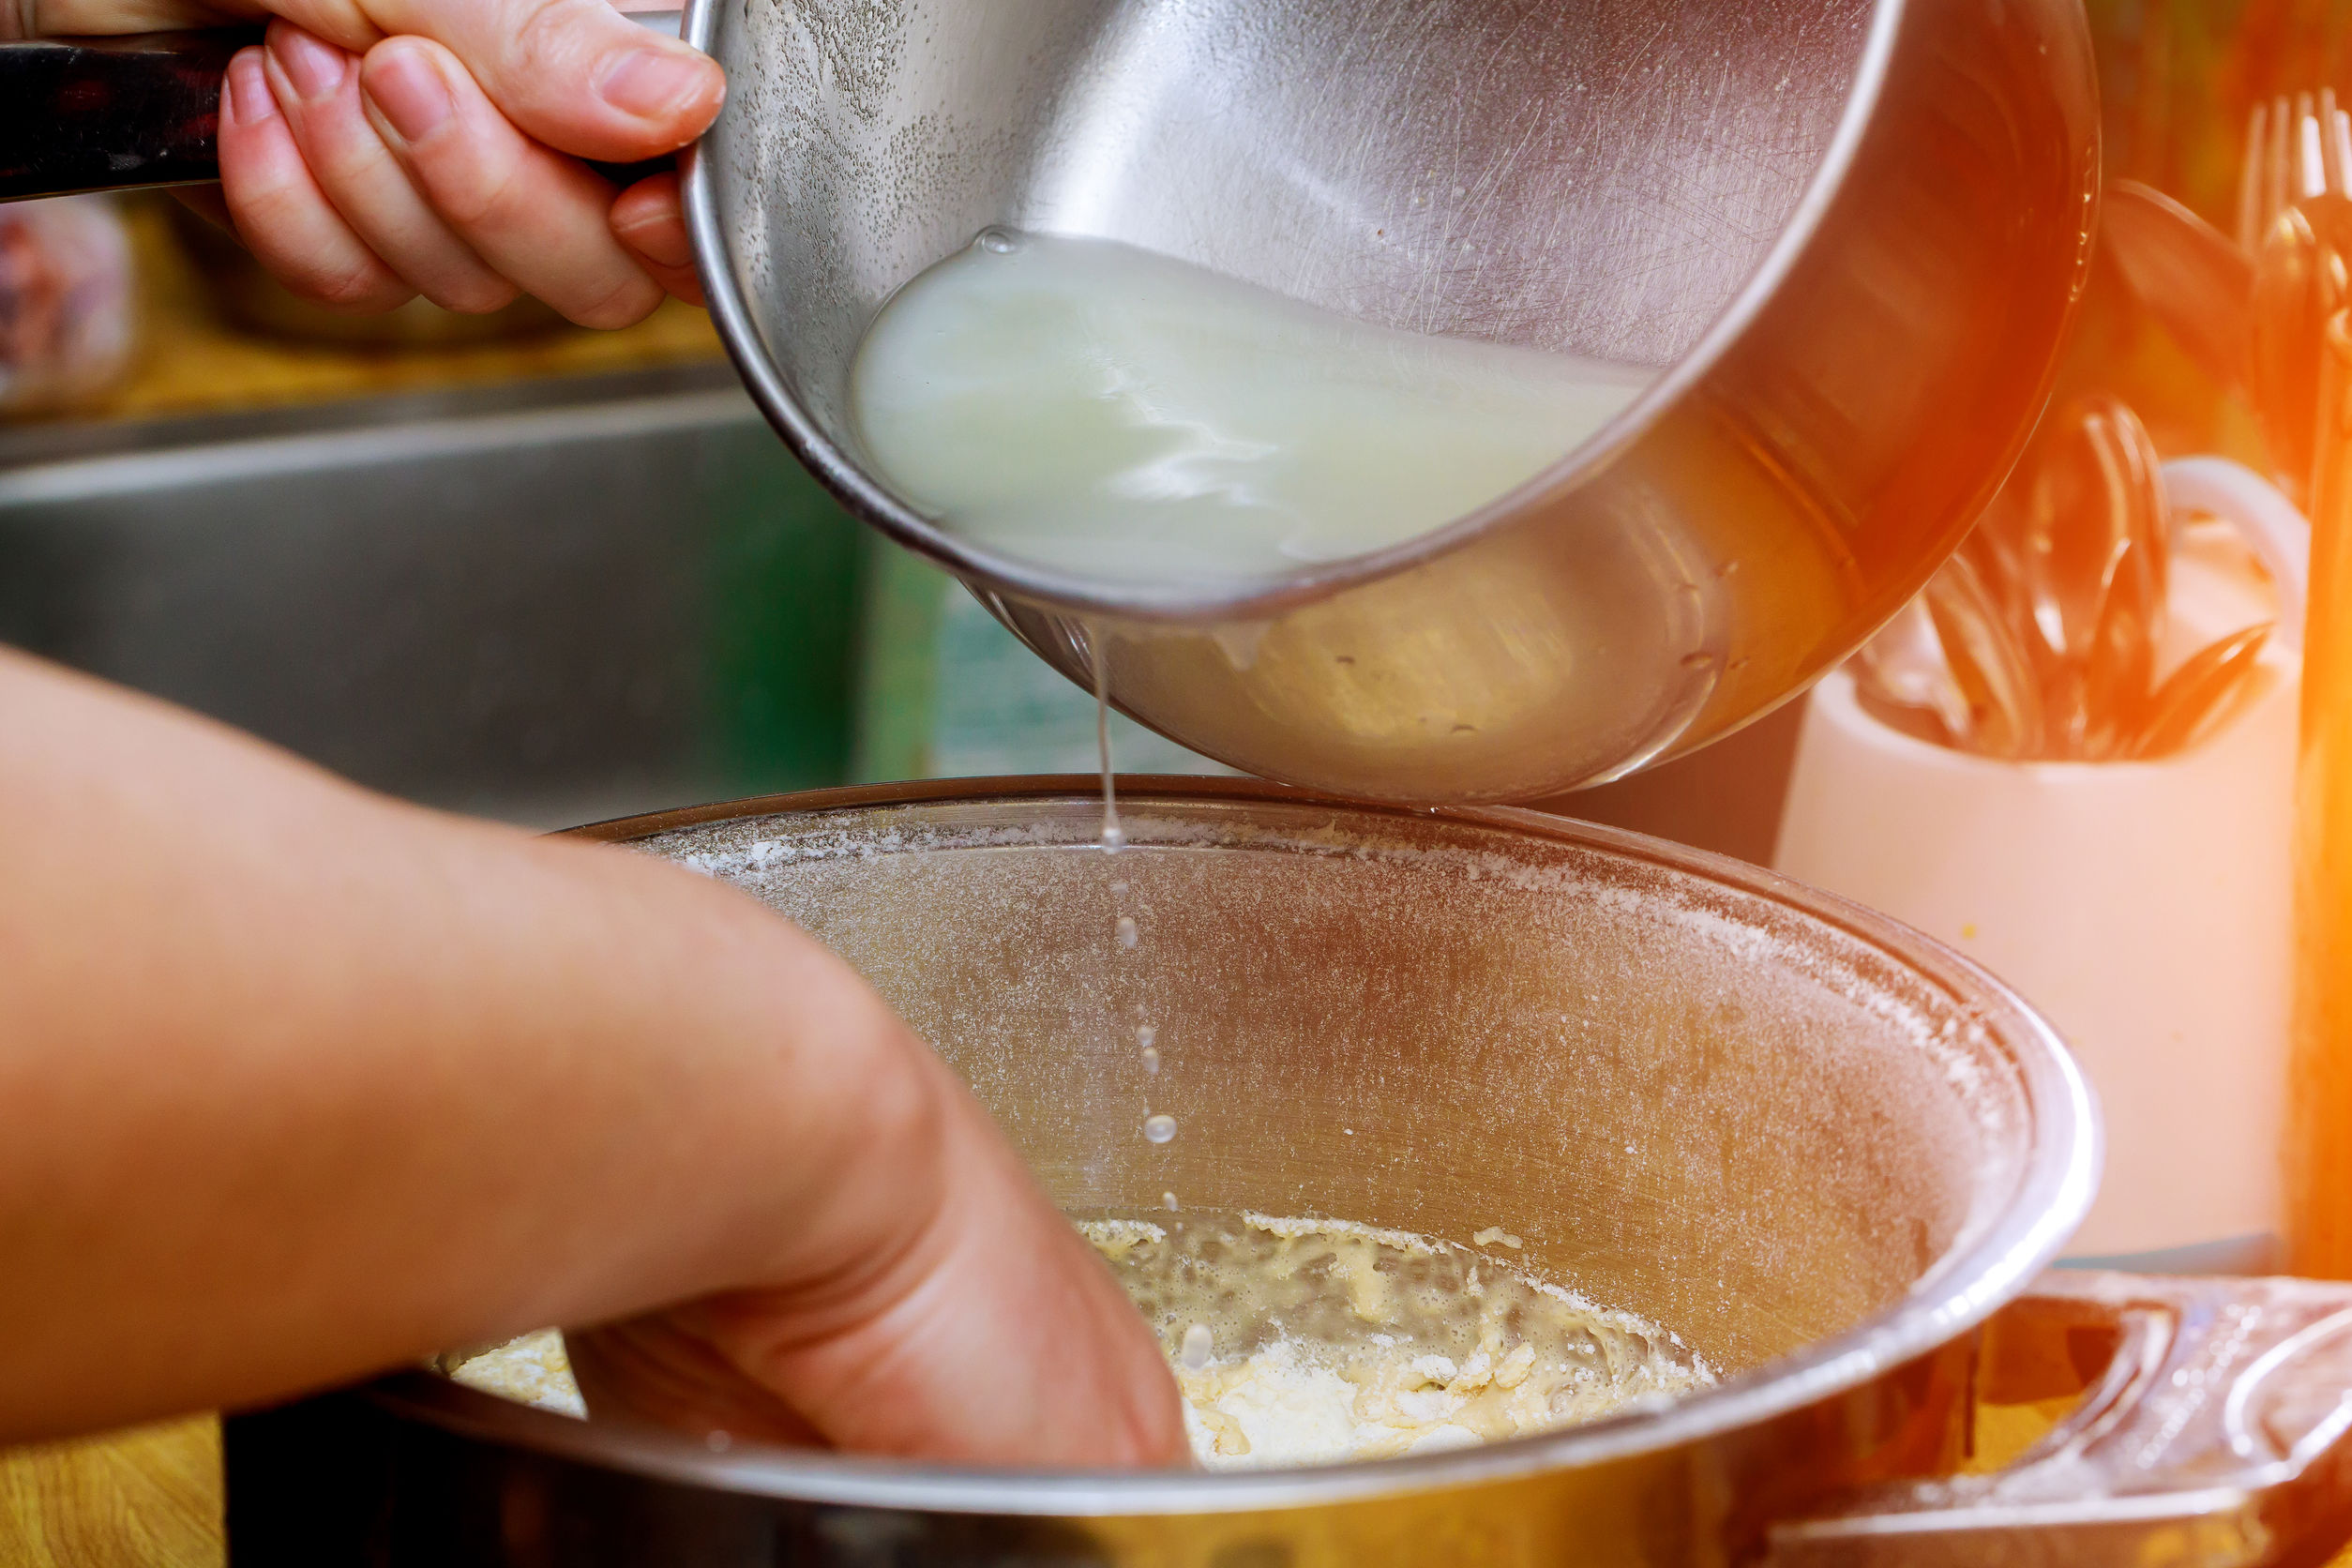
{"x": 956, "y": 1316}
{"x": 374, "y": 150}
{"x": 328, "y": 1084}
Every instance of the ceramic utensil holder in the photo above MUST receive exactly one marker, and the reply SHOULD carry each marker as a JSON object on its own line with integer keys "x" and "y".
{"x": 2143, "y": 906}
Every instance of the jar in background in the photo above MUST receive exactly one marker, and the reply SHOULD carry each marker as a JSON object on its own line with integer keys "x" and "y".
{"x": 67, "y": 309}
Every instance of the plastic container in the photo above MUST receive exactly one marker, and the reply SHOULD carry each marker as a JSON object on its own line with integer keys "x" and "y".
{"x": 2144, "y": 907}
{"x": 68, "y": 308}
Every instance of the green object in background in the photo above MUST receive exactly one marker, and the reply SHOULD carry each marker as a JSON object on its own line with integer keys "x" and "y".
{"x": 898, "y": 664}
{"x": 832, "y": 655}
{"x": 784, "y": 572}
{"x": 946, "y": 691}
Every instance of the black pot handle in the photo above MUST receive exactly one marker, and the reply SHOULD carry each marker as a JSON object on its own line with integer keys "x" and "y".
{"x": 118, "y": 113}
{"x": 111, "y": 114}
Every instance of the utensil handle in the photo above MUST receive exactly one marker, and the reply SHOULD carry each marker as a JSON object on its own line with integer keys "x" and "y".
{"x": 2278, "y": 534}
{"x": 111, "y": 113}
{"x": 124, "y": 113}
{"x": 2216, "y": 1427}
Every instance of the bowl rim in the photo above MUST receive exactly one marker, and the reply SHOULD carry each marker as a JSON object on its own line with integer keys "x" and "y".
{"x": 873, "y": 503}
{"x": 2057, "y": 1178}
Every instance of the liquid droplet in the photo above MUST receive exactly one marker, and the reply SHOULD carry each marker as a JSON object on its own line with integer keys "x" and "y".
{"x": 1167, "y": 1200}
{"x": 1145, "y": 1035}
{"x": 1127, "y": 935}
{"x": 1114, "y": 838}
{"x": 1150, "y": 1061}
{"x": 1117, "y": 890}
{"x": 1158, "y": 1129}
{"x": 1195, "y": 1355}
{"x": 999, "y": 242}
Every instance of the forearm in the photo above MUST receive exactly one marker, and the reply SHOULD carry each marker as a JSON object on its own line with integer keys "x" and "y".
{"x": 296, "y": 1082}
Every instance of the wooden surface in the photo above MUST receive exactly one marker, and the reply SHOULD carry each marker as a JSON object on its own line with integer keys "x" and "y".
{"x": 146, "y": 1499}
{"x": 190, "y": 361}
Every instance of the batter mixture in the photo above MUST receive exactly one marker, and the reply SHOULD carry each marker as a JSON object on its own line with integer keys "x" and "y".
{"x": 1309, "y": 1342}
{"x": 533, "y": 1370}
{"x": 1304, "y": 1342}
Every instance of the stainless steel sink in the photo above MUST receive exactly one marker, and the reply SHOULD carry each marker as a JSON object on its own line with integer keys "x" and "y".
{"x": 571, "y": 600}
{"x": 550, "y": 603}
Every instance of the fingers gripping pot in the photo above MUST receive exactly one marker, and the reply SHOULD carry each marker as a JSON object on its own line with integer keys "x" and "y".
{"x": 1846, "y": 235}
{"x": 1830, "y": 1154}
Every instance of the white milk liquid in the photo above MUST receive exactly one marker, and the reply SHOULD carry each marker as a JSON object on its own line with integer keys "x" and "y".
{"x": 1118, "y": 415}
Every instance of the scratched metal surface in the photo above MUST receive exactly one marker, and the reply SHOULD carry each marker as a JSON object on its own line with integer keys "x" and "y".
{"x": 1598, "y": 176}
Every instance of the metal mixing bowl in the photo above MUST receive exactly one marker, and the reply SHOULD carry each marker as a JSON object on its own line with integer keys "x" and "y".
{"x": 1816, "y": 1145}
{"x": 1848, "y": 233}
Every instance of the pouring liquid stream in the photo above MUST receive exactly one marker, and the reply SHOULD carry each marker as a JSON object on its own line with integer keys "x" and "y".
{"x": 1103, "y": 409}
{"x": 1157, "y": 1128}
{"x": 1114, "y": 837}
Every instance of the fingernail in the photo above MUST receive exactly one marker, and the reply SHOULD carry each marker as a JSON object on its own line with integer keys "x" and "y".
{"x": 245, "y": 99}
{"x": 314, "y": 66}
{"x": 409, "y": 93}
{"x": 653, "y": 82}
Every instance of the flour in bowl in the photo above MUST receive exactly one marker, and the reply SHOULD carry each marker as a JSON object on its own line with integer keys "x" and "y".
{"x": 533, "y": 1370}
{"x": 1305, "y": 1342}
{"x": 1315, "y": 1342}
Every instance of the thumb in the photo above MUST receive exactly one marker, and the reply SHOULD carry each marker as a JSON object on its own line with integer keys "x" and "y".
{"x": 992, "y": 1333}
{"x": 574, "y": 74}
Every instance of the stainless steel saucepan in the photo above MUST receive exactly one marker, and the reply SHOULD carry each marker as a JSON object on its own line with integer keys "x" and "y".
{"x": 1833, "y": 1155}
{"x": 1847, "y": 234}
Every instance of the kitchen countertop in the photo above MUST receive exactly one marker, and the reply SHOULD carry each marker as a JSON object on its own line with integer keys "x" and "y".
{"x": 192, "y": 361}
{"x": 151, "y": 1497}
{"x": 145, "y": 1499}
